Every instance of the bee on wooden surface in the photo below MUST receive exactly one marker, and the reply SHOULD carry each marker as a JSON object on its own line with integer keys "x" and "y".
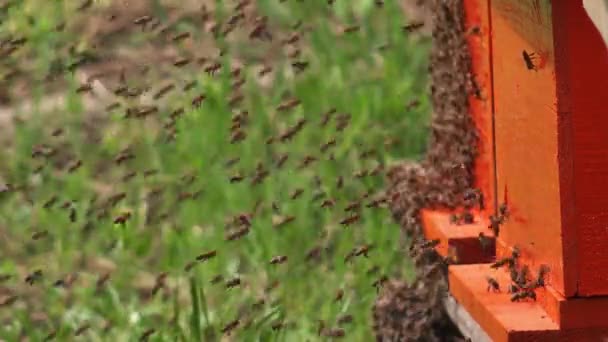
{"x": 413, "y": 27}
{"x": 33, "y": 277}
{"x": 519, "y": 296}
{"x": 495, "y": 222}
{"x": 228, "y": 328}
{"x": 239, "y": 233}
{"x": 523, "y": 276}
{"x": 206, "y": 256}
{"x": 146, "y": 334}
{"x": 484, "y": 241}
{"x": 529, "y": 59}
{"x": 122, "y": 218}
{"x": 279, "y": 259}
{"x": 512, "y": 288}
{"x": 540, "y": 279}
{"x": 350, "y": 220}
{"x": 82, "y": 329}
{"x": 493, "y": 284}
{"x": 502, "y": 262}
{"x": 234, "y": 282}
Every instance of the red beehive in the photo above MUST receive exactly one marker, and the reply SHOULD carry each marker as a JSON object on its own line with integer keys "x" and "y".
{"x": 543, "y": 152}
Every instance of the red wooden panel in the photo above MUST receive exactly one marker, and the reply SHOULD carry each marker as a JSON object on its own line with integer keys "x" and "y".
{"x": 527, "y": 135}
{"x": 477, "y": 23}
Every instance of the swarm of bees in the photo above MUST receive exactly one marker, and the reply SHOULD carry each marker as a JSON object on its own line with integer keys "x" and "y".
{"x": 136, "y": 195}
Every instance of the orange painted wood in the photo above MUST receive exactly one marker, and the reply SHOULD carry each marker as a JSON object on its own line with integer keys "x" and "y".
{"x": 477, "y": 16}
{"x": 582, "y": 78}
{"x": 502, "y": 319}
{"x": 458, "y": 241}
{"x": 526, "y": 137}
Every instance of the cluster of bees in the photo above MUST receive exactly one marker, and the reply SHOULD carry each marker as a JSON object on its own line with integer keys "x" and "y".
{"x": 56, "y": 157}
{"x": 522, "y": 286}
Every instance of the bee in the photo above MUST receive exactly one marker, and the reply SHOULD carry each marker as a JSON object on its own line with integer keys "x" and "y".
{"x": 206, "y": 256}
{"x": 351, "y": 29}
{"x": 327, "y": 116}
{"x": 217, "y": 279}
{"x": 272, "y": 286}
{"x": 318, "y": 196}
{"x": 189, "y": 266}
{"x": 234, "y": 282}
{"x": 353, "y": 206}
{"x": 5, "y": 277}
{"x": 519, "y": 296}
{"x": 237, "y": 136}
{"x": 502, "y": 262}
{"x": 327, "y": 145}
{"x": 288, "y": 104}
{"x": 213, "y": 68}
{"x": 236, "y": 178}
{"x": 114, "y": 199}
{"x": 484, "y": 241}
{"x": 33, "y": 277}
{"x": 299, "y": 66}
{"x": 279, "y": 259}
{"x": 228, "y": 328}
{"x": 259, "y": 176}
{"x": 143, "y": 20}
{"x": 413, "y": 27}
{"x": 307, "y": 161}
{"x": 146, "y": 334}
{"x": 344, "y": 319}
{"x": 495, "y": 222}
{"x": 51, "y": 336}
{"x": 198, "y": 100}
{"x": 239, "y": 233}
{"x": 512, "y": 288}
{"x": 188, "y": 86}
{"x": 235, "y": 99}
{"x": 40, "y": 234}
{"x": 522, "y": 278}
{"x": 284, "y": 221}
{"x": 102, "y": 281}
{"x": 8, "y": 301}
{"x": 529, "y": 59}
{"x": 339, "y": 295}
{"x": 180, "y": 36}
{"x": 84, "y": 88}
{"x": 122, "y": 218}
{"x": 75, "y": 166}
{"x": 328, "y": 203}
{"x": 123, "y": 157}
{"x": 430, "y": 244}
{"x": 540, "y": 279}
{"x": 334, "y": 333}
{"x": 129, "y": 176}
{"x": 412, "y": 105}
{"x": 84, "y": 5}
{"x": 493, "y": 284}
{"x": 49, "y": 203}
{"x": 296, "y": 193}
{"x": 503, "y": 211}
{"x": 164, "y": 91}
{"x": 379, "y": 283}
{"x": 265, "y": 70}
{"x": 313, "y": 253}
{"x": 350, "y": 220}
{"x": 340, "y": 182}
{"x": 82, "y": 329}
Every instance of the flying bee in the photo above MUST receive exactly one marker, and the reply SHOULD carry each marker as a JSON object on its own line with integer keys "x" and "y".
{"x": 327, "y": 116}
{"x": 327, "y": 145}
{"x": 129, "y": 176}
{"x": 235, "y": 99}
{"x": 146, "y": 334}
{"x": 122, "y": 218}
{"x": 239, "y": 233}
{"x": 236, "y": 178}
{"x": 189, "y": 86}
{"x": 265, "y": 70}
{"x": 351, "y": 29}
{"x": 123, "y": 157}
{"x": 206, "y": 256}
{"x": 299, "y": 66}
{"x": 288, "y": 104}
{"x": 8, "y": 301}
{"x": 350, "y": 220}
{"x": 296, "y": 193}
{"x": 413, "y": 27}
{"x": 279, "y": 259}
{"x": 234, "y": 282}
{"x": 284, "y": 221}
{"x": 213, "y": 68}
{"x": 40, "y": 234}
{"x": 344, "y": 319}
{"x": 313, "y": 253}
{"x": 340, "y": 182}
{"x": 353, "y": 206}
{"x": 237, "y": 136}
{"x": 180, "y": 36}
{"x": 48, "y": 204}
{"x": 228, "y": 328}
{"x": 328, "y": 203}
{"x": 82, "y": 329}
{"x": 484, "y": 241}
{"x": 189, "y": 266}
{"x": 339, "y": 295}
{"x": 198, "y": 100}
{"x": 493, "y": 284}
{"x": 33, "y": 277}
{"x": 75, "y": 166}
{"x": 164, "y": 91}
{"x": 307, "y": 161}
{"x": 529, "y": 59}
{"x": 84, "y": 88}
{"x": 519, "y": 296}
{"x": 379, "y": 283}
{"x": 143, "y": 20}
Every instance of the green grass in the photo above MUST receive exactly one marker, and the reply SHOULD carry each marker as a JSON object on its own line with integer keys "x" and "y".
{"x": 347, "y": 72}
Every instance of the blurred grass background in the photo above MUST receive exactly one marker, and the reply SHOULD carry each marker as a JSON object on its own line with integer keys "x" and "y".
{"x": 371, "y": 74}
